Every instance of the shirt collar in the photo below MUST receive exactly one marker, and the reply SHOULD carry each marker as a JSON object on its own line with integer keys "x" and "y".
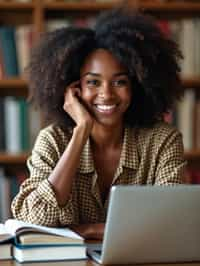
{"x": 129, "y": 156}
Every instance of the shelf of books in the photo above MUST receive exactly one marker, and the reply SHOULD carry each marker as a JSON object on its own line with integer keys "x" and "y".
{"x": 20, "y": 21}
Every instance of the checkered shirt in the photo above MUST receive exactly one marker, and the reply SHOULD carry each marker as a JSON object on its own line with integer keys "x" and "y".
{"x": 150, "y": 156}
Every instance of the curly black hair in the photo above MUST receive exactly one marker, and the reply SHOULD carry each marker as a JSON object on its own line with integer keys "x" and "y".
{"x": 151, "y": 59}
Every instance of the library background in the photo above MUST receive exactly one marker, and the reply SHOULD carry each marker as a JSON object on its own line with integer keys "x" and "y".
{"x": 22, "y": 21}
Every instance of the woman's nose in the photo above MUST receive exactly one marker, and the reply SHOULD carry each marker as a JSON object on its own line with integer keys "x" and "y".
{"x": 106, "y": 91}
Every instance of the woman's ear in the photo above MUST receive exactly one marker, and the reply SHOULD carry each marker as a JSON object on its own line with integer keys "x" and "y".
{"x": 78, "y": 88}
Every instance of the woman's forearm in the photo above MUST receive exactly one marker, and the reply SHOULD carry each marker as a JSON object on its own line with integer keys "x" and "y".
{"x": 64, "y": 173}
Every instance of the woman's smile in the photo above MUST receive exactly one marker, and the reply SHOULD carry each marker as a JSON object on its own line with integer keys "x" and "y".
{"x": 106, "y": 108}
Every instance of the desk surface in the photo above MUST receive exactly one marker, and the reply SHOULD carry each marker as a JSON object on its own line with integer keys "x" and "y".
{"x": 57, "y": 263}
{"x": 83, "y": 263}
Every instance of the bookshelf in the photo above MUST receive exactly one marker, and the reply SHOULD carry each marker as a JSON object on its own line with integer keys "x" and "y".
{"x": 36, "y": 12}
{"x": 14, "y": 86}
{"x": 7, "y": 159}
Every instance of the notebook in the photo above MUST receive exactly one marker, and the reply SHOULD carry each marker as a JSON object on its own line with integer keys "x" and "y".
{"x": 151, "y": 224}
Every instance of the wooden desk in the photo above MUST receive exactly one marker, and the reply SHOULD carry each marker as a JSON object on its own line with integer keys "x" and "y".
{"x": 83, "y": 263}
{"x": 57, "y": 263}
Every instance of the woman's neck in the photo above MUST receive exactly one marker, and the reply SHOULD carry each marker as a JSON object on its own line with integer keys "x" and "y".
{"x": 105, "y": 137}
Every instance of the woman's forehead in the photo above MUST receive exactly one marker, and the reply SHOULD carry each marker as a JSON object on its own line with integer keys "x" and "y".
{"x": 101, "y": 60}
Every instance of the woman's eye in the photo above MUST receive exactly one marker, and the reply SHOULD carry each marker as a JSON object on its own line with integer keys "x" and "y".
{"x": 120, "y": 82}
{"x": 92, "y": 82}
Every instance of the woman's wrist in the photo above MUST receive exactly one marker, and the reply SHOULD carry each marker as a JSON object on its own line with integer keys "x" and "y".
{"x": 83, "y": 130}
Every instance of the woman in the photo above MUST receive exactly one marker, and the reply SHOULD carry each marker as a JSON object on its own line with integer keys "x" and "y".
{"x": 105, "y": 92}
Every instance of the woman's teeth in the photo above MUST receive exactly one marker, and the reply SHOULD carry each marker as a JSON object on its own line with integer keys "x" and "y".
{"x": 106, "y": 107}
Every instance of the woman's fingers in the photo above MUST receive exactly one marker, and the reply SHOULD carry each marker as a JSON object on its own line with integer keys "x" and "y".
{"x": 90, "y": 231}
{"x": 74, "y": 106}
{"x": 73, "y": 89}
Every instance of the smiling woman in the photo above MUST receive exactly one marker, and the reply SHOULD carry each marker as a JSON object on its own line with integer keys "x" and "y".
{"x": 104, "y": 93}
{"x": 105, "y": 89}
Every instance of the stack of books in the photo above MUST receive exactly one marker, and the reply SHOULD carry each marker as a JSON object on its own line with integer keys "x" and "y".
{"x": 27, "y": 242}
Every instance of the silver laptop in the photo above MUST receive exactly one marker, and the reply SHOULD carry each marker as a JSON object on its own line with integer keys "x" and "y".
{"x": 151, "y": 224}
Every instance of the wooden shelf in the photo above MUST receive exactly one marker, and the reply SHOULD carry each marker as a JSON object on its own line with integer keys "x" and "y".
{"x": 157, "y": 6}
{"x": 6, "y": 158}
{"x": 192, "y": 155}
{"x": 84, "y": 6}
{"x": 16, "y": 6}
{"x": 152, "y": 6}
{"x": 13, "y": 86}
{"x": 13, "y": 83}
{"x": 191, "y": 82}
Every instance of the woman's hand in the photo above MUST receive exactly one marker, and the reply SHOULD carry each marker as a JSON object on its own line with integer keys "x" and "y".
{"x": 74, "y": 107}
{"x": 90, "y": 231}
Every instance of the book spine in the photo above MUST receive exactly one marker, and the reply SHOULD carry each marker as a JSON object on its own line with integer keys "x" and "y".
{"x": 12, "y": 125}
{"x": 187, "y": 45}
{"x": 2, "y": 125}
{"x": 164, "y": 26}
{"x": 197, "y": 123}
{"x": 23, "y": 121}
{"x": 54, "y": 24}
{"x": 185, "y": 111}
{"x": 20, "y": 124}
{"x": 34, "y": 124}
{"x": 2, "y": 72}
{"x": 7, "y": 40}
{"x": 23, "y": 45}
{"x": 4, "y": 196}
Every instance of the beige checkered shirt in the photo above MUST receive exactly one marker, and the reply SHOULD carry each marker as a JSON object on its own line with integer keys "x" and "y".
{"x": 149, "y": 156}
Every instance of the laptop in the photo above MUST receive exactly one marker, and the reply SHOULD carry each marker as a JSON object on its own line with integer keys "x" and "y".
{"x": 151, "y": 224}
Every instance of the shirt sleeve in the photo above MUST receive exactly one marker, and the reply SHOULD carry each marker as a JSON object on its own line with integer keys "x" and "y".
{"x": 36, "y": 201}
{"x": 171, "y": 163}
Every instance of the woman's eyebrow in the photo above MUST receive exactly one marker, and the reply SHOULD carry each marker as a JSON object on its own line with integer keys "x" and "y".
{"x": 121, "y": 74}
{"x": 91, "y": 73}
{"x": 99, "y": 75}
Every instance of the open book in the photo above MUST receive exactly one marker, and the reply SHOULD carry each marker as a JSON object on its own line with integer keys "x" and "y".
{"x": 26, "y": 242}
{"x": 22, "y": 233}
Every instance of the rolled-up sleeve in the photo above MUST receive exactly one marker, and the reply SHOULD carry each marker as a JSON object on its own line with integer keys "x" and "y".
{"x": 36, "y": 201}
{"x": 171, "y": 164}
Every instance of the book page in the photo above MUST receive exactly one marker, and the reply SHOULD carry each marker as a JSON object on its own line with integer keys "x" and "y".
{"x": 4, "y": 234}
{"x": 14, "y": 226}
{"x": 46, "y": 239}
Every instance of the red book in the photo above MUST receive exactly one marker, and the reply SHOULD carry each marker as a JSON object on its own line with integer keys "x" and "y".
{"x": 164, "y": 27}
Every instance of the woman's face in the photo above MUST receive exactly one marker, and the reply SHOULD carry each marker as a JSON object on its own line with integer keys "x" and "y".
{"x": 105, "y": 87}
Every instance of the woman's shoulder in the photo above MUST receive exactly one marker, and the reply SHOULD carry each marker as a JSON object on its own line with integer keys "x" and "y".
{"x": 158, "y": 133}
{"x": 56, "y": 131}
{"x": 54, "y": 135}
